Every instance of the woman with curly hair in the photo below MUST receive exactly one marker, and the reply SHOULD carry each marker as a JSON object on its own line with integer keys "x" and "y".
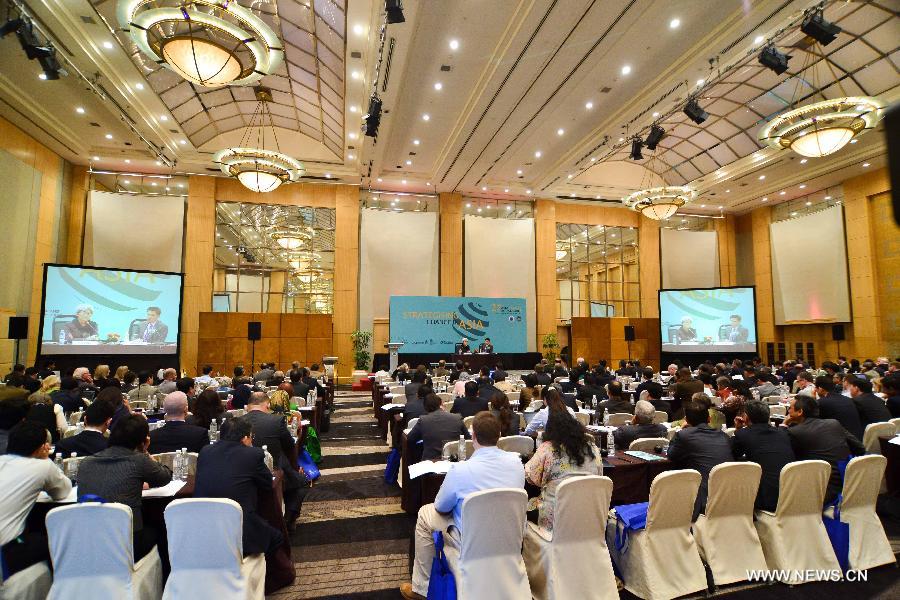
{"x": 280, "y": 402}
{"x": 566, "y": 451}
{"x": 500, "y": 408}
{"x": 207, "y": 406}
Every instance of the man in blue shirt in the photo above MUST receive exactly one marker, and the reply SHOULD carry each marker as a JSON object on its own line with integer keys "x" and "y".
{"x": 489, "y": 468}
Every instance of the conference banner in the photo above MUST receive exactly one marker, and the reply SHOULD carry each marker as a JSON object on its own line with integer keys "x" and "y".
{"x": 435, "y": 324}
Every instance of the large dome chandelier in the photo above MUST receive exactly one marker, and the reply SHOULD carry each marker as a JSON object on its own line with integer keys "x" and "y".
{"x": 259, "y": 169}
{"x": 291, "y": 238}
{"x": 208, "y": 42}
{"x": 659, "y": 203}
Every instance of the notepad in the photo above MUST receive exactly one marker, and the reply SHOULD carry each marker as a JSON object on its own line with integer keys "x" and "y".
{"x": 170, "y": 489}
{"x": 644, "y": 455}
{"x": 391, "y": 406}
{"x": 71, "y": 498}
{"x": 440, "y": 467}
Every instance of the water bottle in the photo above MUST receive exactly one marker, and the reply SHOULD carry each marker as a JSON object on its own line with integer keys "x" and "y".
{"x": 176, "y": 465}
{"x": 540, "y": 437}
{"x": 62, "y": 337}
{"x": 79, "y": 427}
{"x": 59, "y": 461}
{"x": 605, "y": 417}
{"x": 311, "y": 397}
{"x": 594, "y": 401}
{"x": 213, "y": 432}
{"x": 461, "y": 449}
{"x": 184, "y": 464}
{"x": 611, "y": 443}
{"x": 73, "y": 467}
{"x": 270, "y": 463}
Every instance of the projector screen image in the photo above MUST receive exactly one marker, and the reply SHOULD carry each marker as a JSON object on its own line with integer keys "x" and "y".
{"x": 708, "y": 320}
{"x": 109, "y": 311}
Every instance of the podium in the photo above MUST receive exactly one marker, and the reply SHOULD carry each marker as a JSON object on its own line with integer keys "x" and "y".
{"x": 329, "y": 362}
{"x": 393, "y": 355}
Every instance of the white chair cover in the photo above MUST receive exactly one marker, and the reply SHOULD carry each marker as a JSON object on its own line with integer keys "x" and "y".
{"x": 205, "y": 550}
{"x": 68, "y": 462}
{"x": 583, "y": 418}
{"x": 793, "y": 538}
{"x": 896, "y": 423}
{"x": 778, "y": 409}
{"x": 536, "y": 405}
{"x": 453, "y": 448}
{"x": 660, "y": 416}
{"x": 574, "y": 562}
{"x": 32, "y": 583}
{"x": 869, "y": 546}
{"x": 513, "y": 397}
{"x": 168, "y": 459}
{"x": 237, "y": 412}
{"x": 468, "y": 422}
{"x": 873, "y": 432}
{"x": 92, "y": 554}
{"x": 75, "y": 416}
{"x": 725, "y": 534}
{"x": 445, "y": 397}
{"x": 662, "y": 561}
{"x": 647, "y": 444}
{"x": 616, "y": 419}
{"x": 412, "y": 422}
{"x": 397, "y": 390}
{"x": 489, "y": 562}
{"x": 522, "y": 444}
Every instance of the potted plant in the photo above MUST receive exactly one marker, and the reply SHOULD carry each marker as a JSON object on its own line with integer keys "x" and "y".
{"x": 550, "y": 345}
{"x": 361, "y": 355}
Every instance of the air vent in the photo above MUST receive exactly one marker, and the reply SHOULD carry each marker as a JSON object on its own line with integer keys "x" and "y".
{"x": 592, "y": 200}
{"x": 89, "y": 20}
{"x": 320, "y": 178}
{"x": 351, "y": 147}
{"x": 212, "y": 170}
{"x": 412, "y": 153}
{"x": 127, "y": 143}
{"x": 173, "y": 131}
{"x": 95, "y": 124}
{"x": 356, "y": 54}
{"x": 605, "y": 90}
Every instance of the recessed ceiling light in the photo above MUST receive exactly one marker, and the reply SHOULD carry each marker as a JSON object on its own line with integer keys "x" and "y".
{"x": 426, "y": 183}
{"x": 163, "y": 118}
{"x": 359, "y": 29}
{"x": 350, "y": 157}
{"x": 408, "y": 163}
{"x": 656, "y": 114}
{"x": 700, "y": 82}
{"x": 379, "y": 180}
{"x": 79, "y": 110}
{"x": 159, "y": 163}
{"x": 589, "y": 105}
{"x": 782, "y": 193}
{"x": 479, "y": 209}
{"x": 454, "y": 44}
{"x": 42, "y": 76}
{"x": 865, "y": 164}
{"x": 153, "y": 183}
{"x": 415, "y": 142}
{"x": 761, "y": 177}
{"x": 593, "y": 159}
{"x": 96, "y": 158}
{"x": 108, "y": 45}
{"x": 626, "y": 70}
{"x": 518, "y": 171}
{"x": 181, "y": 185}
{"x": 353, "y": 108}
{"x": 560, "y": 131}
{"x": 403, "y": 181}
{"x": 127, "y": 160}
{"x": 721, "y": 207}
{"x": 126, "y": 182}
{"x": 758, "y": 40}
{"x": 527, "y": 191}
{"x": 426, "y": 117}
{"x": 139, "y": 86}
{"x": 793, "y": 214}
{"x": 569, "y": 176}
{"x": 808, "y": 203}
{"x": 352, "y": 135}
{"x": 354, "y": 75}
{"x": 727, "y": 191}
{"x": 508, "y": 207}
{"x": 803, "y": 161}
{"x": 828, "y": 197}
{"x": 468, "y": 205}
{"x": 765, "y": 199}
{"x": 438, "y": 85}
{"x": 621, "y": 139}
{"x": 505, "y": 190}
{"x": 701, "y": 206}
{"x": 182, "y": 142}
{"x": 802, "y": 186}
{"x": 108, "y": 136}
{"x": 327, "y": 175}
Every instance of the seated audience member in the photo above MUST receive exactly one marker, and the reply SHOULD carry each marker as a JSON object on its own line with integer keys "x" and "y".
{"x": 805, "y": 385}
{"x": 312, "y": 382}
{"x": 540, "y": 376}
{"x": 566, "y": 451}
{"x": 83, "y": 376}
{"x": 486, "y": 386}
{"x": 240, "y": 377}
{"x": 617, "y": 402}
{"x": 101, "y": 375}
{"x": 501, "y": 383}
{"x": 240, "y": 396}
{"x": 401, "y": 373}
{"x": 814, "y": 438}
{"x": 14, "y": 378}
{"x": 169, "y": 382}
{"x": 114, "y": 398}
{"x": 145, "y": 388}
{"x": 49, "y": 368}
{"x": 97, "y": 419}
{"x": 765, "y": 387}
{"x": 275, "y": 380}
{"x": 723, "y": 389}
{"x": 559, "y": 369}
{"x": 716, "y": 418}
{"x": 699, "y": 446}
{"x": 418, "y": 378}
{"x": 733, "y": 410}
{"x": 641, "y": 426}
{"x": 13, "y": 408}
{"x": 435, "y": 428}
{"x": 271, "y": 431}
{"x": 655, "y": 397}
{"x": 683, "y": 390}
{"x": 206, "y": 379}
{"x": 459, "y": 388}
{"x": 499, "y": 372}
{"x": 288, "y": 387}
{"x": 280, "y": 402}
{"x": 25, "y": 471}
{"x": 552, "y": 402}
{"x": 590, "y": 393}
{"x": 233, "y": 468}
{"x": 129, "y": 381}
{"x": 185, "y": 385}
{"x": 871, "y": 408}
{"x": 768, "y": 446}
{"x": 300, "y": 389}
{"x": 503, "y": 412}
{"x": 568, "y": 398}
{"x": 470, "y": 404}
{"x": 646, "y": 379}
{"x": 456, "y": 371}
{"x": 489, "y": 468}
{"x": 869, "y": 370}
{"x": 265, "y": 372}
{"x": 68, "y": 396}
{"x": 834, "y": 405}
{"x": 416, "y": 407}
{"x": 44, "y": 411}
{"x": 118, "y": 474}
{"x": 30, "y": 381}
{"x": 176, "y": 434}
{"x": 207, "y": 408}
{"x": 706, "y": 379}
{"x": 890, "y": 385}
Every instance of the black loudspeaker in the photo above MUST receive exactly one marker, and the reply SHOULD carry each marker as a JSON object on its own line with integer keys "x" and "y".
{"x": 629, "y": 333}
{"x": 18, "y": 328}
{"x": 254, "y": 331}
{"x": 837, "y": 332}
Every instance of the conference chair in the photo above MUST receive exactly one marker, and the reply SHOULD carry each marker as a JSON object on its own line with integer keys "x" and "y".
{"x": 869, "y": 546}
{"x": 896, "y": 423}
{"x": 662, "y": 560}
{"x": 68, "y": 462}
{"x": 412, "y": 423}
{"x": 205, "y": 549}
{"x": 729, "y": 431}
{"x": 397, "y": 391}
{"x": 793, "y": 538}
{"x": 513, "y": 397}
{"x": 671, "y": 432}
{"x": 32, "y": 583}
{"x": 92, "y": 555}
{"x": 522, "y": 444}
{"x": 573, "y": 561}
{"x": 583, "y": 418}
{"x": 725, "y": 535}
{"x": 445, "y": 397}
{"x": 536, "y": 405}
{"x": 647, "y": 444}
{"x": 660, "y": 416}
{"x": 488, "y": 562}
{"x": 468, "y": 422}
{"x": 75, "y": 417}
{"x": 236, "y": 412}
{"x": 168, "y": 459}
{"x": 778, "y": 409}
{"x": 873, "y": 432}
{"x": 70, "y": 432}
{"x": 452, "y": 449}
{"x": 616, "y": 419}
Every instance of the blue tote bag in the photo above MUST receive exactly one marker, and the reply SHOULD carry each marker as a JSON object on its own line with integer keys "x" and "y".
{"x": 839, "y": 535}
{"x": 305, "y": 461}
{"x": 393, "y": 466}
{"x": 441, "y": 585}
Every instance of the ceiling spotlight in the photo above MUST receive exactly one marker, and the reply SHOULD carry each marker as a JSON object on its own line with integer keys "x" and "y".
{"x": 802, "y": 186}
{"x": 674, "y": 23}
{"x": 79, "y": 110}
{"x": 518, "y": 171}
{"x": 761, "y": 177}
{"x": 656, "y": 114}
{"x": 537, "y": 154}
{"x": 528, "y": 191}
{"x": 808, "y": 203}
{"x": 438, "y": 86}
{"x": 626, "y": 70}
{"x": 354, "y": 75}
{"x": 569, "y": 176}
{"x": 816, "y": 27}
{"x": 127, "y": 160}
{"x": 108, "y": 45}
{"x": 803, "y": 161}
{"x": 483, "y": 188}
{"x": 700, "y": 82}
{"x": 394, "y": 10}
{"x": 372, "y": 119}
{"x": 655, "y": 136}
{"x": 454, "y": 44}
{"x": 408, "y": 163}
{"x": 560, "y": 131}
{"x": 636, "y": 145}
{"x": 353, "y": 108}
{"x": 108, "y": 136}
{"x": 96, "y": 158}
{"x": 359, "y": 29}
{"x": 865, "y": 164}
{"x": 694, "y": 112}
{"x": 589, "y": 105}
{"x": 505, "y": 190}
{"x": 771, "y": 58}
{"x": 352, "y": 135}
{"x": 426, "y": 117}
{"x": 139, "y": 86}
{"x": 350, "y": 157}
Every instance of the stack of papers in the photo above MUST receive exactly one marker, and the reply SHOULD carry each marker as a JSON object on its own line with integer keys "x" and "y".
{"x": 644, "y": 455}
{"x": 601, "y": 428}
{"x": 391, "y": 406}
{"x": 440, "y": 467}
{"x": 170, "y": 489}
{"x": 71, "y": 498}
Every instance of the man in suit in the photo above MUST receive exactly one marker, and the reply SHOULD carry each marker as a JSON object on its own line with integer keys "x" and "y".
{"x": 97, "y": 418}
{"x": 871, "y": 408}
{"x": 411, "y": 388}
{"x": 470, "y": 404}
{"x": 458, "y": 369}
{"x": 589, "y": 390}
{"x": 890, "y": 385}
{"x": 233, "y": 468}
{"x": 685, "y": 387}
{"x": 176, "y": 434}
{"x": 699, "y": 446}
{"x": 463, "y": 347}
{"x": 814, "y": 438}
{"x": 153, "y": 331}
{"x": 301, "y": 390}
{"x": 435, "y": 428}
{"x": 501, "y": 383}
{"x": 654, "y": 397}
{"x": 416, "y": 407}
{"x": 641, "y": 426}
{"x": 68, "y": 395}
{"x": 271, "y": 431}
{"x": 617, "y": 402}
{"x": 441, "y": 370}
{"x": 559, "y": 370}
{"x": 540, "y": 377}
{"x": 834, "y": 405}
{"x": 734, "y": 332}
{"x": 266, "y": 371}
{"x": 499, "y": 373}
{"x": 145, "y": 389}
{"x": 769, "y": 447}
{"x": 168, "y": 385}
{"x": 486, "y": 347}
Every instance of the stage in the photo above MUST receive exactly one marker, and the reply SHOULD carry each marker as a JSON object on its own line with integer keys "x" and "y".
{"x": 511, "y": 360}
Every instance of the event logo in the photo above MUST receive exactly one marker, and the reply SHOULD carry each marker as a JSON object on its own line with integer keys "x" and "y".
{"x": 115, "y": 282}
{"x": 470, "y": 321}
{"x": 698, "y": 303}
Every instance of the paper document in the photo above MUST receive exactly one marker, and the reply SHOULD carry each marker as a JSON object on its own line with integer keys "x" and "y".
{"x": 391, "y": 406}
{"x": 170, "y": 489}
{"x": 72, "y": 497}
{"x": 644, "y": 455}
{"x": 440, "y": 467}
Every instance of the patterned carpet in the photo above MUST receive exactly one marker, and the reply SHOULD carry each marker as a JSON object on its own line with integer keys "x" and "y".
{"x": 352, "y": 539}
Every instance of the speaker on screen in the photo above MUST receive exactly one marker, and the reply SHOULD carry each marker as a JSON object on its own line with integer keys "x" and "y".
{"x": 254, "y": 331}
{"x": 837, "y": 332}
{"x": 629, "y": 333}
{"x": 18, "y": 328}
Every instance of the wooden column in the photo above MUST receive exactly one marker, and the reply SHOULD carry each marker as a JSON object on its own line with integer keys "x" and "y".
{"x": 727, "y": 251}
{"x": 762, "y": 276}
{"x": 77, "y": 207}
{"x": 199, "y": 247}
{"x": 276, "y": 292}
{"x": 346, "y": 275}
{"x": 545, "y": 268}
{"x": 451, "y": 263}
{"x": 648, "y": 259}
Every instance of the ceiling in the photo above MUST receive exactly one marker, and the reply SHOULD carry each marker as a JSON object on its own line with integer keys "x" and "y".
{"x": 536, "y": 98}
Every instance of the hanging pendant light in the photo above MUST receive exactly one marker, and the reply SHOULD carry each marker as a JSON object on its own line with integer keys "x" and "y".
{"x": 258, "y": 169}
{"x": 659, "y": 203}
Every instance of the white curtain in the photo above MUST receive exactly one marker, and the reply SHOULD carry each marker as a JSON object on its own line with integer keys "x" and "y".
{"x": 132, "y": 231}
{"x": 499, "y": 262}
{"x": 809, "y": 269}
{"x": 690, "y": 259}
{"x": 398, "y": 254}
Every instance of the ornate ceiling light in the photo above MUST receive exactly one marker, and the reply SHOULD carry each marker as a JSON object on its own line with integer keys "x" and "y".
{"x": 291, "y": 239}
{"x": 208, "y": 42}
{"x": 660, "y": 202}
{"x": 560, "y": 254}
{"x": 259, "y": 169}
{"x": 822, "y": 128}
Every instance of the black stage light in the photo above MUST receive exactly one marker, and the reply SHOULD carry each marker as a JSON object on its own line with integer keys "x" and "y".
{"x": 654, "y": 137}
{"x": 636, "y": 145}
{"x": 50, "y": 65}
{"x": 694, "y": 112}
{"x": 394, "y": 10}
{"x": 771, "y": 58}
{"x": 372, "y": 119}
{"x": 816, "y": 27}
{"x": 30, "y": 42}
{"x": 11, "y": 26}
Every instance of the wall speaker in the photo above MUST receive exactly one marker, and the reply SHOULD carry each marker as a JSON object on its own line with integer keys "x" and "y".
{"x": 18, "y": 328}
{"x": 837, "y": 332}
{"x": 629, "y": 333}
{"x": 254, "y": 331}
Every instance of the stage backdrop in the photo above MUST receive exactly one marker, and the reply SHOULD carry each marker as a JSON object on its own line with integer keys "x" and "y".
{"x": 437, "y": 323}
